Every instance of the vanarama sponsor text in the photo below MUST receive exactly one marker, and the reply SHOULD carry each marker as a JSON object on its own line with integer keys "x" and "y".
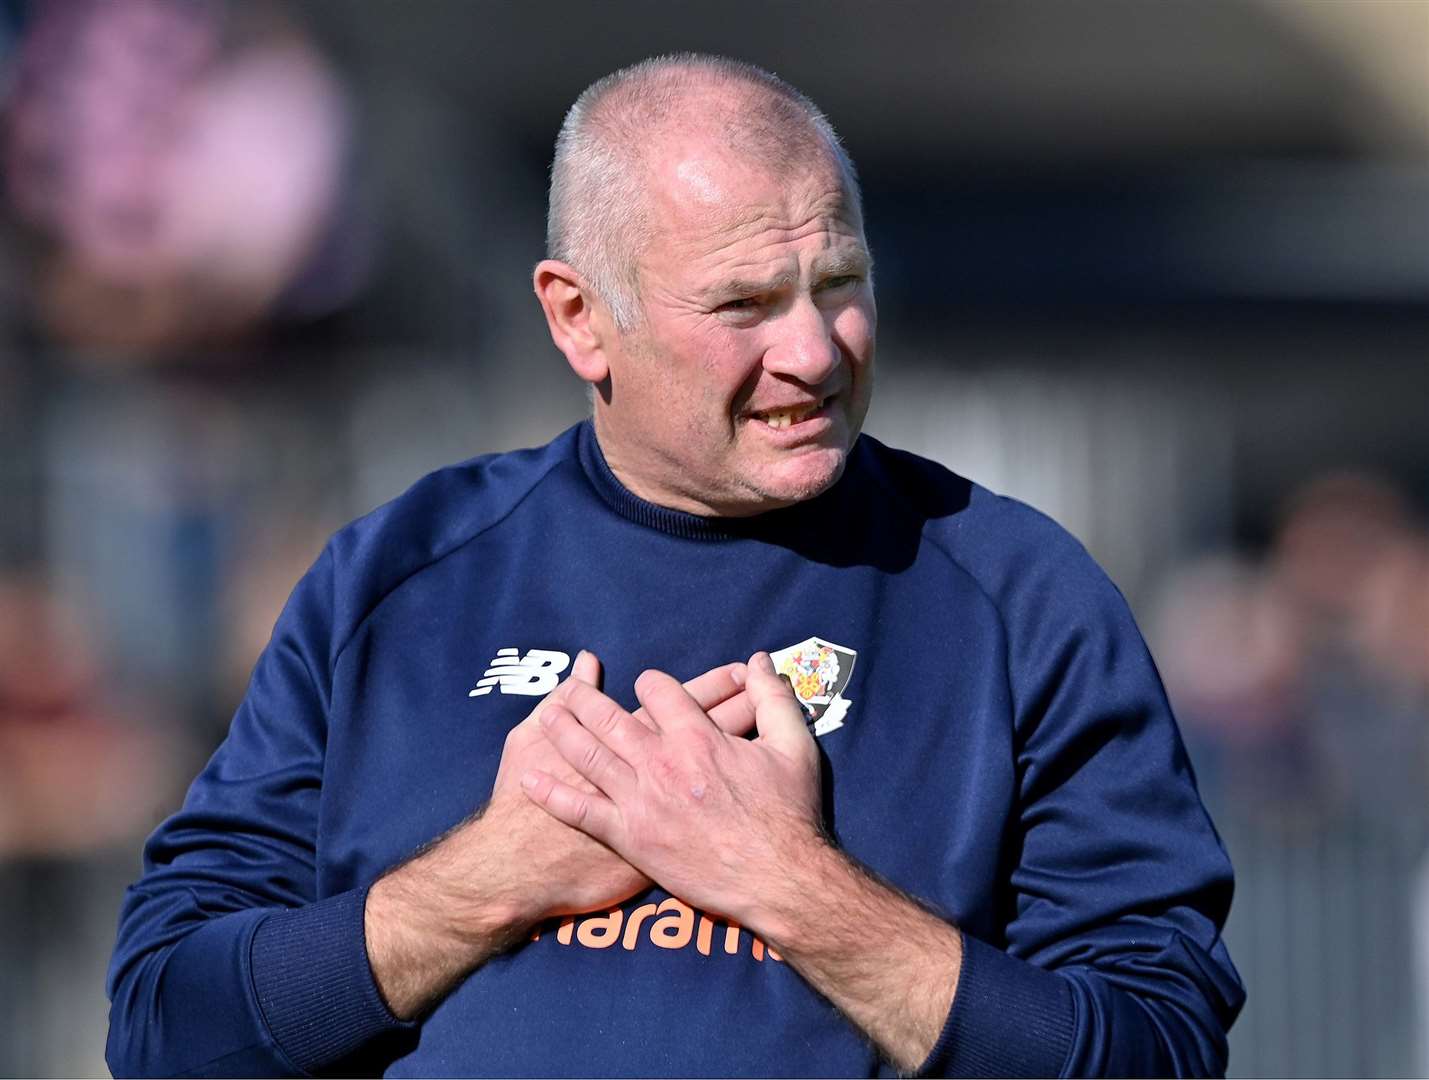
{"x": 670, "y": 924}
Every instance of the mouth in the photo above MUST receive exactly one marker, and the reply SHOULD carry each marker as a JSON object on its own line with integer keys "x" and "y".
{"x": 789, "y": 416}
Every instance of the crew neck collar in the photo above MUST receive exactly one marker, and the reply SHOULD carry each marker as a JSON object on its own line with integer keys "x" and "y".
{"x": 689, "y": 526}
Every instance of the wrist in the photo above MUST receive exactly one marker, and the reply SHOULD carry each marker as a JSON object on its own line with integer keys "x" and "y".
{"x": 780, "y": 914}
{"x": 470, "y": 888}
{"x": 431, "y": 922}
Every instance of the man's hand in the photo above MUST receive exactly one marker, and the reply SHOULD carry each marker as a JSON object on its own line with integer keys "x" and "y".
{"x": 709, "y": 816}
{"x": 560, "y": 870}
{"x": 733, "y": 827}
{"x": 565, "y": 871}
{"x": 715, "y": 819}
{"x": 476, "y": 892}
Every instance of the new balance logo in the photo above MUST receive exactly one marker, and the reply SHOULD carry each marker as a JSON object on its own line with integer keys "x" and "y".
{"x": 534, "y": 674}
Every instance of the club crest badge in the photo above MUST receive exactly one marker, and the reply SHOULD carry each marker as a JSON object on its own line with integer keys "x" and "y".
{"x": 818, "y": 670}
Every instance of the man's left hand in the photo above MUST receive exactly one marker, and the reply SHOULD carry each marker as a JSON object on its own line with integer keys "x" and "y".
{"x": 732, "y": 826}
{"x": 715, "y": 819}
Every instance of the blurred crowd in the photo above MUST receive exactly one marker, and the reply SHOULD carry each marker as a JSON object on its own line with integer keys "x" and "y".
{"x": 1301, "y": 676}
{"x": 178, "y": 199}
{"x": 176, "y": 166}
{"x": 180, "y": 207}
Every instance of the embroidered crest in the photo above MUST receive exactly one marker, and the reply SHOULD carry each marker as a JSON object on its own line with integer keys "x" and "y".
{"x": 818, "y": 670}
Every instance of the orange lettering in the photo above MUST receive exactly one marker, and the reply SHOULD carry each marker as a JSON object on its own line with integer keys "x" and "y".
{"x": 632, "y": 925}
{"x": 600, "y": 931}
{"x": 706, "y": 933}
{"x": 731, "y": 938}
{"x": 702, "y": 938}
{"x": 674, "y": 927}
{"x": 673, "y": 931}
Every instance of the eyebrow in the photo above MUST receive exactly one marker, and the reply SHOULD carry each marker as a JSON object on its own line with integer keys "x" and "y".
{"x": 833, "y": 264}
{"x": 749, "y": 286}
{"x": 846, "y": 261}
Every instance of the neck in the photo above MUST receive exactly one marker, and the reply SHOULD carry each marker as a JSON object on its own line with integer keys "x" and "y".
{"x": 636, "y": 471}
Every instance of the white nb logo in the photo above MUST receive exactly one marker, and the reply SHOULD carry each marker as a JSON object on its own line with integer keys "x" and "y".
{"x": 534, "y": 674}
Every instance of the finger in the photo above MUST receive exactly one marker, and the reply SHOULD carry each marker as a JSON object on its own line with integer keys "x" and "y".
{"x": 777, "y": 715}
{"x": 735, "y": 716}
{"x": 668, "y": 703}
{"x": 585, "y": 671}
{"x": 586, "y": 668}
{"x": 720, "y": 693}
{"x": 608, "y": 722}
{"x": 590, "y": 812}
{"x": 586, "y": 753}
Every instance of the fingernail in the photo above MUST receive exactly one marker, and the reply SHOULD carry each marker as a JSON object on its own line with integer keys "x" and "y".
{"x": 739, "y": 674}
{"x": 764, "y": 662}
{"x": 528, "y": 781}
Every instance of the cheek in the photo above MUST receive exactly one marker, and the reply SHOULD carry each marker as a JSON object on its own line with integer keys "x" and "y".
{"x": 853, "y": 331}
{"x": 730, "y": 370}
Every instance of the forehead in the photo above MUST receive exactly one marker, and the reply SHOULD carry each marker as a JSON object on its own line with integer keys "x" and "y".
{"x": 709, "y": 207}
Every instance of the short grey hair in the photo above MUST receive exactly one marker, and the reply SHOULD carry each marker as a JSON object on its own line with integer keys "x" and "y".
{"x": 598, "y": 217}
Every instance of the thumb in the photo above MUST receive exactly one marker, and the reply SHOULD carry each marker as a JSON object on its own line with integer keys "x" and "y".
{"x": 776, "y": 711}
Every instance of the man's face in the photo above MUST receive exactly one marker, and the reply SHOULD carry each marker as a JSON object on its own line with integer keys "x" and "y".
{"x": 748, "y": 381}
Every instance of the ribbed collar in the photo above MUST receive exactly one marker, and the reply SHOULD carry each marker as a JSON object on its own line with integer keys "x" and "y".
{"x": 784, "y": 524}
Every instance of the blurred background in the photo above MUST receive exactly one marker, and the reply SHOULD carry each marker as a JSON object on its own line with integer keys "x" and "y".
{"x": 1160, "y": 269}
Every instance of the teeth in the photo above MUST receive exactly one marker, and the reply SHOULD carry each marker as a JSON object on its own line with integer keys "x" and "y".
{"x": 782, "y": 418}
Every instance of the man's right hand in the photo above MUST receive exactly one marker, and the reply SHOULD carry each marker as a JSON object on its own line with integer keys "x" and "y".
{"x": 476, "y": 892}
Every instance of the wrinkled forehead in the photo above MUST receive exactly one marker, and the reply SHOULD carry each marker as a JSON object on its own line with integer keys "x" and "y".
{"x": 696, "y": 187}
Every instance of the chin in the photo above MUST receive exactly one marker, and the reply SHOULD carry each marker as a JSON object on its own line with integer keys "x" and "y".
{"x": 806, "y": 476}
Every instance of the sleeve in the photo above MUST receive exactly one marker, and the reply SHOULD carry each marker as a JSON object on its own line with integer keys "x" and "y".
{"x": 227, "y": 962}
{"x": 1112, "y": 963}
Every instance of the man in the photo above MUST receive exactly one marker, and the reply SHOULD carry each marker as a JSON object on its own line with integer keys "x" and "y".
{"x": 963, "y": 837}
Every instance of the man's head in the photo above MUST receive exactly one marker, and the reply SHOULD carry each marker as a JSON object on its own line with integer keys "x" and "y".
{"x": 708, "y": 274}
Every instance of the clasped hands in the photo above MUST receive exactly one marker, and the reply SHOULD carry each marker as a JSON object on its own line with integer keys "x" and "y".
{"x": 675, "y": 790}
{"x": 591, "y": 803}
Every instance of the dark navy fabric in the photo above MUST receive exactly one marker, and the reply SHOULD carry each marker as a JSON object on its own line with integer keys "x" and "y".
{"x": 1008, "y": 758}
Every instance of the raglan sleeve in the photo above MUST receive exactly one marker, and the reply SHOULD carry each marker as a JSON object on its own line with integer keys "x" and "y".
{"x": 1112, "y": 962}
{"x": 227, "y": 962}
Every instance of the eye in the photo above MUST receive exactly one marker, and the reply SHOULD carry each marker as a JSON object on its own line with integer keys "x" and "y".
{"x": 741, "y": 311}
{"x": 838, "y": 290}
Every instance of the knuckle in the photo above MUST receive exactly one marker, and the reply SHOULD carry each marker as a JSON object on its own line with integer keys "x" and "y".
{"x": 606, "y": 718}
{"x": 701, "y": 743}
{"x": 592, "y": 758}
{"x": 667, "y": 773}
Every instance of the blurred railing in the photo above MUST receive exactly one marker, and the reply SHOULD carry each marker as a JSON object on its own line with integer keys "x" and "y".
{"x": 1323, "y": 933}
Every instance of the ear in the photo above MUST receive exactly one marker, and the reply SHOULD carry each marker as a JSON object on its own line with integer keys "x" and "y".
{"x": 579, "y": 324}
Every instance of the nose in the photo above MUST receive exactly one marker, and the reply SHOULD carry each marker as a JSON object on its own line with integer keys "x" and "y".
{"x": 803, "y": 345}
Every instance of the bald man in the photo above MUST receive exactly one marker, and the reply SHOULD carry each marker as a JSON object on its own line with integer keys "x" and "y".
{"x": 938, "y": 821}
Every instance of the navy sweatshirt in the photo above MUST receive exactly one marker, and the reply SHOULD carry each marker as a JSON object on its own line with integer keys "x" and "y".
{"x": 995, "y": 742}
